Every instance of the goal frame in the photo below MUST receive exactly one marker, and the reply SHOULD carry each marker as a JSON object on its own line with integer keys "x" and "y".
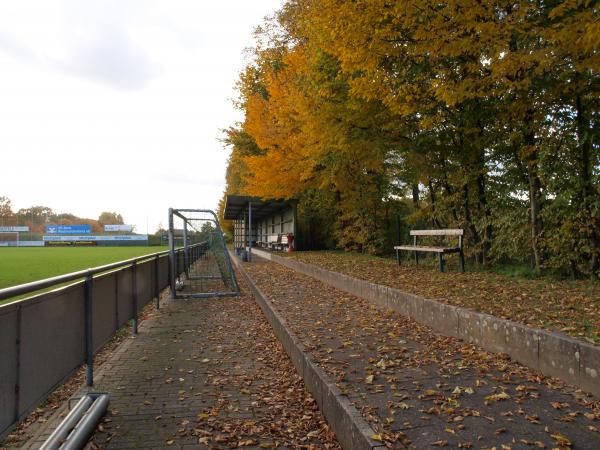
{"x": 12, "y": 232}
{"x": 185, "y": 215}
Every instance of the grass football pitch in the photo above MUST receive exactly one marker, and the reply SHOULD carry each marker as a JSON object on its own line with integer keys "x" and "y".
{"x": 25, "y": 264}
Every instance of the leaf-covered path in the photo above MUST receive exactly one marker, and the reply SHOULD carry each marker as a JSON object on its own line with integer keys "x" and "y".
{"x": 572, "y": 307}
{"x": 207, "y": 374}
{"x": 419, "y": 389}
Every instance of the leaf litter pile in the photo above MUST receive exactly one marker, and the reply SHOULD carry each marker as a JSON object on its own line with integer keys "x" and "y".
{"x": 208, "y": 373}
{"x": 419, "y": 389}
{"x": 572, "y": 307}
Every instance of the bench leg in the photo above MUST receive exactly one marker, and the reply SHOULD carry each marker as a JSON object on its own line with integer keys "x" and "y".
{"x": 462, "y": 261}
{"x": 398, "y": 256}
{"x": 416, "y": 258}
{"x": 441, "y": 260}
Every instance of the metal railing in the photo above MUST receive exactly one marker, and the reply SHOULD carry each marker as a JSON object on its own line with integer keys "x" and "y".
{"x": 46, "y": 337}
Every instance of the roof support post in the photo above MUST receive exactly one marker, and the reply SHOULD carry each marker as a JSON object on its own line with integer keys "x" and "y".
{"x": 295, "y": 224}
{"x": 249, "y": 231}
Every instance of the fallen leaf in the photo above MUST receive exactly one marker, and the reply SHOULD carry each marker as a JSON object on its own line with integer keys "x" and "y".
{"x": 561, "y": 439}
{"x": 498, "y": 397}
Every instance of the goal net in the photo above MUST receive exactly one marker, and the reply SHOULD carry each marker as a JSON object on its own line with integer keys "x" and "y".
{"x": 202, "y": 267}
{"x": 9, "y": 238}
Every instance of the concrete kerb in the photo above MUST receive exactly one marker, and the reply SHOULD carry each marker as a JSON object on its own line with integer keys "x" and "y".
{"x": 589, "y": 367}
{"x": 553, "y": 354}
{"x": 514, "y": 339}
{"x": 352, "y": 431}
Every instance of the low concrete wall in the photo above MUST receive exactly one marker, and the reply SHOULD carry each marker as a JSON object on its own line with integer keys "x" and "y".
{"x": 553, "y": 354}
{"x": 351, "y": 430}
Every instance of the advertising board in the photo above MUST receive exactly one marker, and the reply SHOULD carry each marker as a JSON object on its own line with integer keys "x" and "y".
{"x": 70, "y": 243}
{"x": 127, "y": 237}
{"x": 117, "y": 227}
{"x": 68, "y": 229}
{"x": 14, "y": 229}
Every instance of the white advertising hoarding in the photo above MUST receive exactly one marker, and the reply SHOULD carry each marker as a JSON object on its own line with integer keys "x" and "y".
{"x": 21, "y": 243}
{"x": 127, "y": 228}
{"x": 13, "y": 229}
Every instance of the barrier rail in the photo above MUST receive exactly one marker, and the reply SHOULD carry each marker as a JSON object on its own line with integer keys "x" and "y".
{"x": 46, "y": 337}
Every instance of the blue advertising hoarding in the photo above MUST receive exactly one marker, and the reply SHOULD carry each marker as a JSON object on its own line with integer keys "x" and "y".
{"x": 68, "y": 229}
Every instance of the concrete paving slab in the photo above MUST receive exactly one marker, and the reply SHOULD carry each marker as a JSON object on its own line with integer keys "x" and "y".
{"x": 206, "y": 373}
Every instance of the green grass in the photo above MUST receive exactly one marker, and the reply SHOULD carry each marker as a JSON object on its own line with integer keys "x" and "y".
{"x": 22, "y": 265}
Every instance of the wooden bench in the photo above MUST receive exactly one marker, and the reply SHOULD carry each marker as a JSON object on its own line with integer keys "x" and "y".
{"x": 262, "y": 244}
{"x": 277, "y": 241}
{"x": 283, "y": 242}
{"x": 441, "y": 251}
{"x": 272, "y": 240}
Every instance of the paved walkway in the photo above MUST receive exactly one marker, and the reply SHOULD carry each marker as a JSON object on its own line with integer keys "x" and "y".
{"x": 207, "y": 373}
{"x": 419, "y": 389}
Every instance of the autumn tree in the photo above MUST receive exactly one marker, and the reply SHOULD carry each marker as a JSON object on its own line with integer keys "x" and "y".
{"x": 457, "y": 114}
{"x": 110, "y": 218}
{"x": 5, "y": 208}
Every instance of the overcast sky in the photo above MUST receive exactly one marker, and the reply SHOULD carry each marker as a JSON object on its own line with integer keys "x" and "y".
{"x": 117, "y": 105}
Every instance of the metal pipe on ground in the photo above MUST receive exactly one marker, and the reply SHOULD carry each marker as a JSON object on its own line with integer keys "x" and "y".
{"x": 74, "y": 416}
{"x": 75, "y": 430}
{"x": 86, "y": 426}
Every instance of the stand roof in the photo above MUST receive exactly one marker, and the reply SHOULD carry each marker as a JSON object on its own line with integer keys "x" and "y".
{"x": 237, "y": 205}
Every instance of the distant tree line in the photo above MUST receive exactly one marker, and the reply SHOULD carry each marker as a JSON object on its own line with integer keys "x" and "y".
{"x": 37, "y": 217}
{"x": 478, "y": 115}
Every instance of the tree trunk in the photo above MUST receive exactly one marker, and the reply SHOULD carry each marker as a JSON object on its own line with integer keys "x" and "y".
{"x": 415, "y": 195}
{"x": 473, "y": 234}
{"x": 435, "y": 221}
{"x": 449, "y": 190}
{"x": 535, "y": 207}
{"x": 483, "y": 205}
{"x": 535, "y": 190}
{"x": 487, "y": 229}
{"x": 586, "y": 186}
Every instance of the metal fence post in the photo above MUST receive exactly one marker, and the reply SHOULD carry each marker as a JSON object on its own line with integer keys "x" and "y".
{"x": 18, "y": 365}
{"x": 134, "y": 298}
{"x": 172, "y": 256}
{"x": 117, "y": 300}
{"x": 89, "y": 345}
{"x": 186, "y": 250}
{"x": 156, "y": 281}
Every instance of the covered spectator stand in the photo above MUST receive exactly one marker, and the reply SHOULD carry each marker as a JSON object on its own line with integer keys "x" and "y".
{"x": 264, "y": 223}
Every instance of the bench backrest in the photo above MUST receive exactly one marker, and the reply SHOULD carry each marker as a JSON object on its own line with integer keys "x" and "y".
{"x": 446, "y": 232}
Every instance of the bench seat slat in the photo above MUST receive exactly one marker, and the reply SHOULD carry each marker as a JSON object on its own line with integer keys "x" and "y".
{"x": 447, "y": 232}
{"x": 419, "y": 248}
